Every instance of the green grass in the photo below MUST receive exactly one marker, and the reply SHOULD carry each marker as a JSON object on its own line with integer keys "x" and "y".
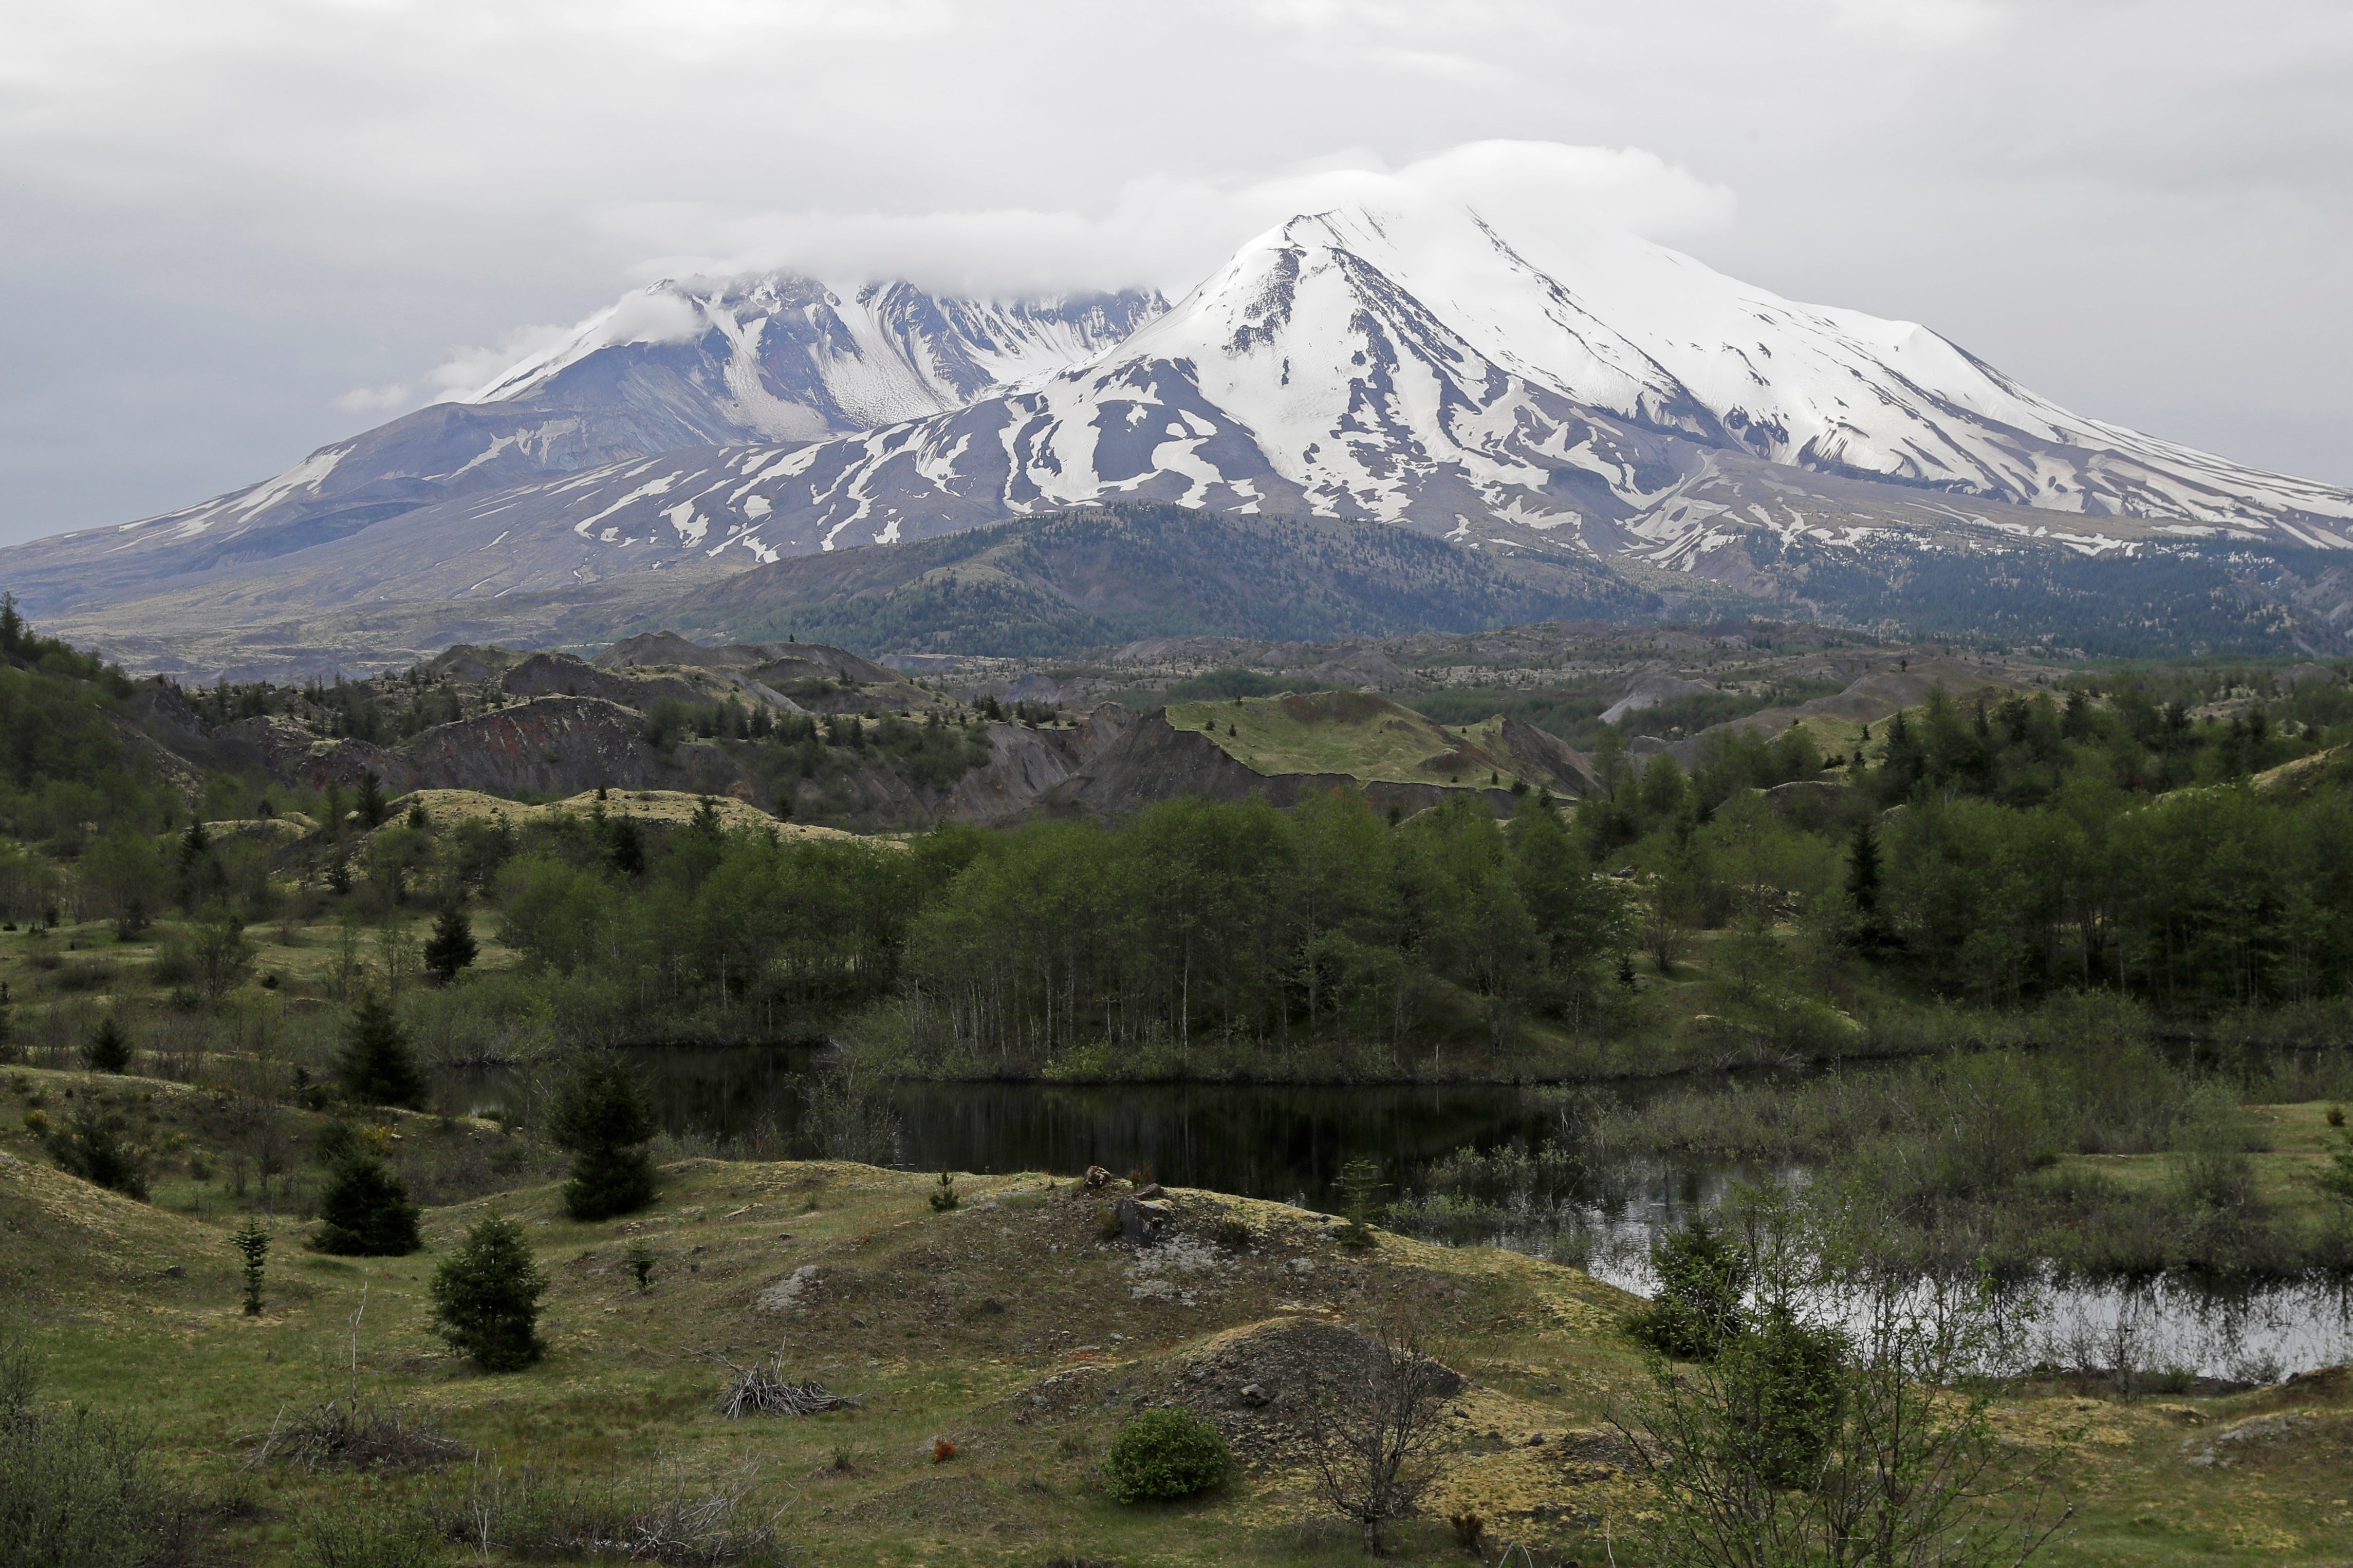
{"x": 902, "y": 1321}
{"x": 1353, "y": 734}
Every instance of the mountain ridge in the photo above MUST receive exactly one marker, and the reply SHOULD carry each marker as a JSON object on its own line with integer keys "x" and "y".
{"x": 1349, "y": 365}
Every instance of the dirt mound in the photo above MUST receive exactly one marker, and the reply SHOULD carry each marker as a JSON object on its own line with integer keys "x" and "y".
{"x": 1256, "y": 1383}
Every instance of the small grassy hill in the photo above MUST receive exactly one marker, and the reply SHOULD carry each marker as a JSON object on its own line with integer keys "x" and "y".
{"x": 1358, "y": 734}
{"x": 653, "y": 807}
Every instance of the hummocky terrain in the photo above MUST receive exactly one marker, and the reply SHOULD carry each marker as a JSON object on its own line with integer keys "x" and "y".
{"x": 814, "y": 735}
{"x": 1620, "y": 411}
{"x": 993, "y": 1351}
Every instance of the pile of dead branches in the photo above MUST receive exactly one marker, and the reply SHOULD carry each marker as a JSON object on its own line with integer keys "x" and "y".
{"x": 354, "y": 1434}
{"x": 767, "y": 1391}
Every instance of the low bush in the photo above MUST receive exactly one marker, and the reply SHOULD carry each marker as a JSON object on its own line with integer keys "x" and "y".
{"x": 1164, "y": 1454}
{"x": 78, "y": 1488}
{"x": 374, "y": 1536}
{"x": 354, "y": 1434}
{"x": 669, "y": 1516}
{"x": 97, "y": 1145}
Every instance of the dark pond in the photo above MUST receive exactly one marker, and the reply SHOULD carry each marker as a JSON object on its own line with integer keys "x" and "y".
{"x": 1280, "y": 1143}
{"x": 1288, "y": 1144}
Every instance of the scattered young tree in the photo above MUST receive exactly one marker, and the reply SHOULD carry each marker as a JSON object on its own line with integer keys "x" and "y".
{"x": 1372, "y": 1432}
{"x": 252, "y": 1244}
{"x": 127, "y": 876}
{"x": 1703, "y": 1275}
{"x": 486, "y": 1297}
{"x": 376, "y": 1066}
{"x": 1360, "y": 1183}
{"x": 1163, "y": 1455}
{"x": 371, "y": 801}
{"x": 451, "y": 947}
{"x": 601, "y": 1118}
{"x": 847, "y": 1114}
{"x": 199, "y": 867}
{"x": 366, "y": 1213}
{"x": 1835, "y": 1421}
{"x": 108, "y": 1050}
{"x": 223, "y": 955}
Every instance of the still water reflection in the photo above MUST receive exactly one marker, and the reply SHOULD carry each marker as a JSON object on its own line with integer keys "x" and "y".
{"x": 1288, "y": 1143}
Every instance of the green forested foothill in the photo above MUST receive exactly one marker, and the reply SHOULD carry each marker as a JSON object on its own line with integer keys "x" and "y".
{"x": 1763, "y": 902}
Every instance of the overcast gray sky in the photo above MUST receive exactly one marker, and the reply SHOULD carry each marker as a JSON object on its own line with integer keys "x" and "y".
{"x": 232, "y": 230}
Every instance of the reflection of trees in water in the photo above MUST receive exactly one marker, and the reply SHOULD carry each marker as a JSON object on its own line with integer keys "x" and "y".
{"x": 2154, "y": 1336}
{"x": 1578, "y": 1204}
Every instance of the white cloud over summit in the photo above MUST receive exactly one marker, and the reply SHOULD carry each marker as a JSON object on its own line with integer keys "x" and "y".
{"x": 1168, "y": 232}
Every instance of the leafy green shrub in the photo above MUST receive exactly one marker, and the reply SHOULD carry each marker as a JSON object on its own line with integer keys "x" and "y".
{"x": 96, "y": 1144}
{"x": 374, "y": 1536}
{"x": 366, "y": 1213}
{"x": 78, "y": 1487}
{"x": 486, "y": 1297}
{"x": 1163, "y": 1454}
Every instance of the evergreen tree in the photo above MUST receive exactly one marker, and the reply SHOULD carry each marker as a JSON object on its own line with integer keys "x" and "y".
{"x": 625, "y": 846}
{"x": 1863, "y": 869}
{"x": 486, "y": 1297}
{"x": 366, "y": 1213}
{"x": 199, "y": 867}
{"x": 451, "y": 947}
{"x": 1697, "y": 1308}
{"x": 252, "y": 1244}
{"x": 371, "y": 801}
{"x": 600, "y": 1117}
{"x": 108, "y": 1050}
{"x": 375, "y": 1067}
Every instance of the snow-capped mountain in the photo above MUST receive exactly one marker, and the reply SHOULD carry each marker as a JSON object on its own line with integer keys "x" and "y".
{"x": 1426, "y": 373}
{"x": 769, "y": 358}
{"x": 1616, "y": 400}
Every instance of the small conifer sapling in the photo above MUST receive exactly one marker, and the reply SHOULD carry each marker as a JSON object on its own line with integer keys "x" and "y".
{"x": 601, "y": 1118}
{"x": 486, "y": 1297}
{"x": 366, "y": 1213}
{"x": 252, "y": 1244}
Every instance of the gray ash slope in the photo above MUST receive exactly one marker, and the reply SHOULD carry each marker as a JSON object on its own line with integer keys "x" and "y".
{"x": 1110, "y": 573}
